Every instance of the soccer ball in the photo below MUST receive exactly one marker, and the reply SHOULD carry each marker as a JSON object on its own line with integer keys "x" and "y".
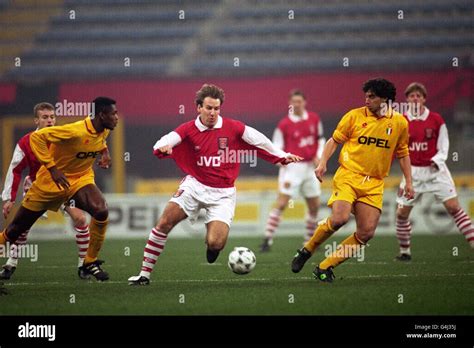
{"x": 242, "y": 260}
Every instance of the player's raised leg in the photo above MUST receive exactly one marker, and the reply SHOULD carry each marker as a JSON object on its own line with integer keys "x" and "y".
{"x": 341, "y": 211}
{"x": 367, "y": 218}
{"x": 216, "y": 238}
{"x": 171, "y": 216}
{"x": 23, "y": 220}
{"x": 462, "y": 220}
{"x": 90, "y": 199}
{"x": 403, "y": 227}
{"x": 273, "y": 221}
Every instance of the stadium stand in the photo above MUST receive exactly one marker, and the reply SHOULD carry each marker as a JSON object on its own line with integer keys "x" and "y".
{"x": 87, "y": 39}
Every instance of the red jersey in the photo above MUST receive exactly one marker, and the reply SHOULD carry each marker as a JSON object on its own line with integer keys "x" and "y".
{"x": 427, "y": 135}
{"x": 211, "y": 155}
{"x": 300, "y": 135}
{"x": 23, "y": 157}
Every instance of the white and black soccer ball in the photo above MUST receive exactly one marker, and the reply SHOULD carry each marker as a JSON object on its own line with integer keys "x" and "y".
{"x": 242, "y": 260}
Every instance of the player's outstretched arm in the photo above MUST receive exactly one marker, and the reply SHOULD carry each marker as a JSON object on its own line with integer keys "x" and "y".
{"x": 328, "y": 151}
{"x": 254, "y": 137}
{"x": 165, "y": 145}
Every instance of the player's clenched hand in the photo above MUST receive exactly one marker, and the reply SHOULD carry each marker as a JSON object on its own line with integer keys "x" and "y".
{"x": 291, "y": 159}
{"x": 7, "y": 207}
{"x": 409, "y": 191}
{"x": 105, "y": 161}
{"x": 167, "y": 150}
{"x": 320, "y": 171}
{"x": 59, "y": 178}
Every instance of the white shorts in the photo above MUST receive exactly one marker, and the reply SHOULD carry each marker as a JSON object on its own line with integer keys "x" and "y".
{"x": 426, "y": 179}
{"x": 219, "y": 203}
{"x": 299, "y": 178}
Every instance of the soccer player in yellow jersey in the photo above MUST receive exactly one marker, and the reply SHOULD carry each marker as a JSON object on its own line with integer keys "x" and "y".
{"x": 67, "y": 154}
{"x": 371, "y": 135}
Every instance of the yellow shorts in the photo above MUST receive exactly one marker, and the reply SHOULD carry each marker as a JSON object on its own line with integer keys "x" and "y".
{"x": 353, "y": 187}
{"x": 44, "y": 194}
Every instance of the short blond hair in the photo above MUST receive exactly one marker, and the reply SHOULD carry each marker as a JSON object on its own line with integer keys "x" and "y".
{"x": 416, "y": 87}
{"x": 42, "y": 106}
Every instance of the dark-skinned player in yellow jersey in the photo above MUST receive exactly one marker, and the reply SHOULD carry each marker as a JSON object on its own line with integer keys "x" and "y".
{"x": 67, "y": 154}
{"x": 371, "y": 135}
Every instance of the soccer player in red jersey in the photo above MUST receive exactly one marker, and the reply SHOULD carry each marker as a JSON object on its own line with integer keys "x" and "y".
{"x": 23, "y": 158}
{"x": 429, "y": 146}
{"x": 300, "y": 133}
{"x": 205, "y": 149}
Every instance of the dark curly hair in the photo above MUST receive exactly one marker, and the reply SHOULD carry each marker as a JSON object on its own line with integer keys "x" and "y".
{"x": 381, "y": 88}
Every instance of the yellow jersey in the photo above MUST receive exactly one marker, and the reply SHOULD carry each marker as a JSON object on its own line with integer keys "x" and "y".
{"x": 72, "y": 148}
{"x": 370, "y": 142}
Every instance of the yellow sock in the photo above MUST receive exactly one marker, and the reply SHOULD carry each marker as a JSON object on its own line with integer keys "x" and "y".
{"x": 345, "y": 250}
{"x": 3, "y": 237}
{"x": 321, "y": 234}
{"x": 97, "y": 231}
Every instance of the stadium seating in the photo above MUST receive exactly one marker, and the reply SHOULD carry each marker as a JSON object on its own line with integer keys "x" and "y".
{"x": 265, "y": 36}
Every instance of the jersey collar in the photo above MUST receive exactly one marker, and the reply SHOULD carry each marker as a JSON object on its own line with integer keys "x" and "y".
{"x": 89, "y": 126}
{"x": 202, "y": 127}
{"x": 296, "y": 119}
{"x": 369, "y": 113}
{"x": 422, "y": 117}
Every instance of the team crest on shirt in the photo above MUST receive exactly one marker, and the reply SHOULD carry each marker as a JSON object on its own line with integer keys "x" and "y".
{"x": 178, "y": 193}
{"x": 389, "y": 129}
{"x": 364, "y": 125}
{"x": 223, "y": 143}
{"x": 429, "y": 133}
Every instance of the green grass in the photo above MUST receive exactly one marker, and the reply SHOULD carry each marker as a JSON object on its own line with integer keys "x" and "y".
{"x": 435, "y": 282}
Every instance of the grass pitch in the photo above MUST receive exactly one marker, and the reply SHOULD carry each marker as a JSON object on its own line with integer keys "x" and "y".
{"x": 435, "y": 282}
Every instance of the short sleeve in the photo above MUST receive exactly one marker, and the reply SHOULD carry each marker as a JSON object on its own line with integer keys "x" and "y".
{"x": 183, "y": 130}
{"x": 344, "y": 128}
{"x": 402, "y": 144}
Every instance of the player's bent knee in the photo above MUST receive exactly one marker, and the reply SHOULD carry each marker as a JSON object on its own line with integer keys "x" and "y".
{"x": 165, "y": 225}
{"x": 453, "y": 208}
{"x": 403, "y": 214}
{"x": 338, "y": 221}
{"x": 14, "y": 231}
{"x": 80, "y": 220}
{"x": 216, "y": 245}
{"x": 100, "y": 212}
{"x": 364, "y": 235}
